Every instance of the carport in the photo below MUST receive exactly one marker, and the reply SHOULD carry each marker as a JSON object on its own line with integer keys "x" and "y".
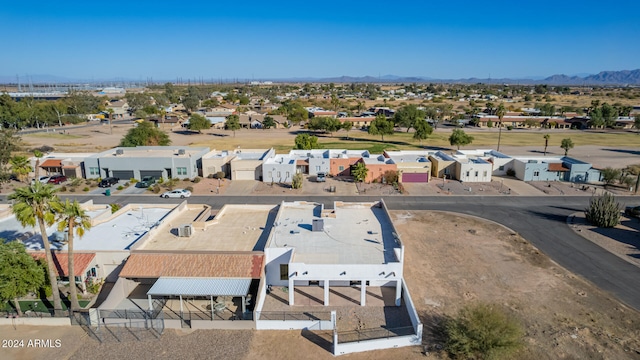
{"x": 201, "y": 288}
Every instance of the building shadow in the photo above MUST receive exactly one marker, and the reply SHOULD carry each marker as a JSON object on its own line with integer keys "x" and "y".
{"x": 631, "y": 152}
{"x": 324, "y": 339}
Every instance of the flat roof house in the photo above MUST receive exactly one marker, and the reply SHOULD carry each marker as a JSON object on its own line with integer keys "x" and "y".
{"x": 68, "y": 164}
{"x": 413, "y": 165}
{"x": 137, "y": 162}
{"x": 555, "y": 168}
{"x": 247, "y": 164}
{"x": 279, "y": 169}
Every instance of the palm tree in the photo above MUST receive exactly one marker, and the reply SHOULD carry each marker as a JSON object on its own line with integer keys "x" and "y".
{"x": 21, "y": 167}
{"x": 72, "y": 217}
{"x": 37, "y": 203}
{"x": 110, "y": 111}
{"x": 36, "y": 170}
{"x": 546, "y": 143}
{"x": 500, "y": 111}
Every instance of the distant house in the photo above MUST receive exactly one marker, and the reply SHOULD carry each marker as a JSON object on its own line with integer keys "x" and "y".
{"x": 555, "y": 168}
{"x": 120, "y": 108}
{"x": 358, "y": 122}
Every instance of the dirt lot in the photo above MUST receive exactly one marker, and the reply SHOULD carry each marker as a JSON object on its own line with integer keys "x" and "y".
{"x": 450, "y": 261}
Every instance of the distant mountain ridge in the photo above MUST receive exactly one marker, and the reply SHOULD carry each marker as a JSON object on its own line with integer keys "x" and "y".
{"x": 622, "y": 77}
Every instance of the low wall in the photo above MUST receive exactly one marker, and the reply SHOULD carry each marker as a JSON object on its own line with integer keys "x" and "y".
{"x": 222, "y": 324}
{"x": 377, "y": 344}
{"x": 411, "y": 309}
{"x": 172, "y": 324}
{"x": 294, "y": 325}
{"x": 36, "y": 321}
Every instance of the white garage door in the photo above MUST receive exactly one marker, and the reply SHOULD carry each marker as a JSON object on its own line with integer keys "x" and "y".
{"x": 244, "y": 175}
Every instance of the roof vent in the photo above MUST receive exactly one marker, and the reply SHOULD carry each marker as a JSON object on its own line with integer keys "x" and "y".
{"x": 185, "y": 230}
{"x": 181, "y": 151}
{"x": 119, "y": 152}
{"x": 317, "y": 225}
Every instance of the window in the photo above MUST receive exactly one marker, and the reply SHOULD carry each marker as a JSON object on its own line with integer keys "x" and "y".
{"x": 340, "y": 168}
{"x": 476, "y": 173}
{"x": 318, "y": 168}
{"x": 468, "y": 173}
{"x": 536, "y": 173}
{"x": 501, "y": 168}
{"x": 94, "y": 171}
{"x": 284, "y": 271}
{"x": 287, "y": 175}
{"x": 269, "y": 176}
{"x": 279, "y": 175}
{"x": 181, "y": 170}
{"x": 484, "y": 173}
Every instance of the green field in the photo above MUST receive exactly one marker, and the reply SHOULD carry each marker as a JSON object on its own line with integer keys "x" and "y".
{"x": 39, "y": 305}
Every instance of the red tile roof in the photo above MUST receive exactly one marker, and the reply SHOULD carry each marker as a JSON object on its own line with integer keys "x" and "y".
{"x": 61, "y": 262}
{"x": 155, "y": 265}
{"x": 51, "y": 163}
{"x": 557, "y": 167}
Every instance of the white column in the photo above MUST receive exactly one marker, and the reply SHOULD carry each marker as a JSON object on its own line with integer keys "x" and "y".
{"x": 244, "y": 306}
{"x": 150, "y": 302}
{"x": 213, "y": 312}
{"x": 181, "y": 309}
{"x": 326, "y": 293}
{"x": 291, "y": 290}
{"x": 363, "y": 293}
{"x": 398, "y": 292}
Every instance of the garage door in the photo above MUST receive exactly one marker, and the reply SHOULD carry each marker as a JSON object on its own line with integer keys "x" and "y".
{"x": 245, "y": 175}
{"x": 122, "y": 174}
{"x": 157, "y": 174}
{"x": 415, "y": 177}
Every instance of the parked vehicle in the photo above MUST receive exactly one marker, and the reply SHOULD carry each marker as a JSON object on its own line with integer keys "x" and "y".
{"x": 321, "y": 177}
{"x": 633, "y": 211}
{"x": 177, "y": 193}
{"x": 43, "y": 179}
{"x": 146, "y": 182}
{"x": 108, "y": 182}
{"x": 57, "y": 179}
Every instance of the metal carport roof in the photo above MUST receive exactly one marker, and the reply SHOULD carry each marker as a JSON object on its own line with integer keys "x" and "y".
{"x": 200, "y": 286}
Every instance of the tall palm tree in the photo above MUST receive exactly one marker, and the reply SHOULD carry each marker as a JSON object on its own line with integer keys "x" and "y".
{"x": 546, "y": 143}
{"x": 37, "y": 203}
{"x": 72, "y": 217}
{"x": 36, "y": 170}
{"x": 500, "y": 111}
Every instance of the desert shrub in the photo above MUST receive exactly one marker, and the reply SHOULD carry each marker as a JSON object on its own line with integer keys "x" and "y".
{"x": 197, "y": 179}
{"x": 509, "y": 127}
{"x": 211, "y": 176}
{"x": 161, "y": 180}
{"x": 186, "y": 179}
{"x": 296, "y": 182}
{"x": 603, "y": 211}
{"x": 390, "y": 177}
{"x": 115, "y": 207}
{"x": 120, "y": 187}
{"x": 189, "y": 188}
{"x": 63, "y": 188}
{"x": 126, "y": 184}
{"x": 219, "y": 175}
{"x": 155, "y": 188}
{"x": 511, "y": 172}
{"x": 86, "y": 188}
{"x": 72, "y": 189}
{"x": 490, "y": 123}
{"x": 133, "y": 180}
{"x": 481, "y": 331}
{"x": 94, "y": 287}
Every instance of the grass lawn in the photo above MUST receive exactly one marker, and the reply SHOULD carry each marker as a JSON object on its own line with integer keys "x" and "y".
{"x": 53, "y": 135}
{"x": 39, "y": 305}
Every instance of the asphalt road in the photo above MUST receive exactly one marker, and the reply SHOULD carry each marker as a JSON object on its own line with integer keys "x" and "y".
{"x": 540, "y": 220}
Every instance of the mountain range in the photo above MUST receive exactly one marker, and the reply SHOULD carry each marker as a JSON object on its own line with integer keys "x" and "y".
{"x": 622, "y": 77}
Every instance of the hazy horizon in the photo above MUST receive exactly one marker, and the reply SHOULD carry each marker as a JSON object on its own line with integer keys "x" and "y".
{"x": 161, "y": 40}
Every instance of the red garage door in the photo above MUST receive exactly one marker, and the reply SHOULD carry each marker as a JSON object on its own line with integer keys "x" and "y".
{"x": 415, "y": 177}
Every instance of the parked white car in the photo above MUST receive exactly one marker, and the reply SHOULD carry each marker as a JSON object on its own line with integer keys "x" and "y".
{"x": 177, "y": 193}
{"x": 43, "y": 179}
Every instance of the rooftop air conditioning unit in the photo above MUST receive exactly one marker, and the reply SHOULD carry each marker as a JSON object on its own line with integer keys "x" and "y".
{"x": 181, "y": 152}
{"x": 185, "y": 230}
{"x": 119, "y": 151}
{"x": 317, "y": 225}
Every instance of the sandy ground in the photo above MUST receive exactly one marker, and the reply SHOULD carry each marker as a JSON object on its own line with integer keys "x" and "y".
{"x": 451, "y": 261}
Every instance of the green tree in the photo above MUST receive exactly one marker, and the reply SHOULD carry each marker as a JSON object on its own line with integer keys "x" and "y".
{"x": 408, "y": 116}
{"x": 37, "y": 203}
{"x": 596, "y": 118}
{"x": 145, "y": 134}
{"x": 347, "y": 126}
{"x": 423, "y": 130}
{"x": 636, "y": 123}
{"x": 21, "y": 167}
{"x": 19, "y": 273}
{"x": 381, "y": 126}
{"x": 566, "y": 144}
{"x": 610, "y": 175}
{"x": 431, "y": 113}
{"x": 198, "y": 123}
{"x": 9, "y": 142}
{"x": 603, "y": 211}
{"x": 232, "y": 123}
{"x": 268, "y": 122}
{"x": 190, "y": 102}
{"x": 481, "y": 332}
{"x": 460, "y": 138}
{"x": 546, "y": 142}
{"x": 305, "y": 141}
{"x": 296, "y": 182}
{"x": 500, "y": 112}
{"x": 359, "y": 171}
{"x": 75, "y": 220}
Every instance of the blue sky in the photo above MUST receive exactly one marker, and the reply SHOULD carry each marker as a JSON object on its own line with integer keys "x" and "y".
{"x": 282, "y": 39}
